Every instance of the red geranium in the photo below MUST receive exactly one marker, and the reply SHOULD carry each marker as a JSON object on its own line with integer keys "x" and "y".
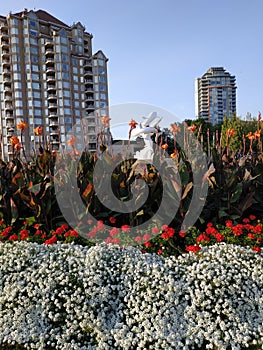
{"x": 193, "y": 248}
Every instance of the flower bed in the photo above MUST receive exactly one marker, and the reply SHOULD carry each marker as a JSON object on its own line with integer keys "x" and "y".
{"x": 65, "y": 296}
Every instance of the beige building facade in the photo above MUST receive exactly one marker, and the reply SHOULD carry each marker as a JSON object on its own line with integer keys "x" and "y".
{"x": 49, "y": 77}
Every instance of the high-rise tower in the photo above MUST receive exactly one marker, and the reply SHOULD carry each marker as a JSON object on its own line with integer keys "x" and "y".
{"x": 49, "y": 77}
{"x": 215, "y": 95}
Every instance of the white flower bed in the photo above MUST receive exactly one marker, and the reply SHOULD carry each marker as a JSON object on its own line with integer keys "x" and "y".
{"x": 105, "y": 297}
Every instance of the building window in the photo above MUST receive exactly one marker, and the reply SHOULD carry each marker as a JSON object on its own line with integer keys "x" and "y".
{"x": 33, "y": 23}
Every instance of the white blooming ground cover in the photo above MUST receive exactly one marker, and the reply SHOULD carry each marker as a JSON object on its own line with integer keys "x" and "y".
{"x": 105, "y": 297}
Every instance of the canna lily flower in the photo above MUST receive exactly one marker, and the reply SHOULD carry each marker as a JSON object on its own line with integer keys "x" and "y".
{"x": 165, "y": 146}
{"x": 22, "y": 125}
{"x": 230, "y": 132}
{"x": 133, "y": 124}
{"x": 38, "y": 131}
{"x": 105, "y": 121}
{"x": 174, "y": 154}
{"x": 72, "y": 141}
{"x": 257, "y": 134}
{"x": 250, "y": 136}
{"x": 17, "y": 147}
{"x": 174, "y": 128}
{"x": 192, "y": 128}
{"x": 14, "y": 140}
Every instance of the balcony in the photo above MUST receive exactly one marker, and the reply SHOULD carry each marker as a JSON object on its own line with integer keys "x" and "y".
{"x": 89, "y": 106}
{"x": 49, "y": 43}
{"x": 89, "y": 98}
{"x": 50, "y": 69}
{"x": 8, "y": 98}
{"x": 53, "y": 115}
{"x": 54, "y": 132}
{"x": 7, "y": 80}
{"x": 10, "y": 125}
{"x": 8, "y": 106}
{"x": 51, "y": 87}
{"x": 53, "y": 122}
{"x": 52, "y": 105}
{"x": 51, "y": 78}
{"x": 6, "y": 72}
{"x": 5, "y": 54}
{"x": 52, "y": 97}
{"x": 50, "y": 60}
{"x": 87, "y": 63}
{"x": 9, "y": 115}
{"x": 88, "y": 72}
{"x": 50, "y": 52}
{"x": 5, "y": 62}
{"x": 4, "y": 44}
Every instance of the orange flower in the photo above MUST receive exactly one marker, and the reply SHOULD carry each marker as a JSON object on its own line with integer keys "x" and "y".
{"x": 39, "y": 131}
{"x": 230, "y": 132}
{"x": 17, "y": 147}
{"x": 72, "y": 141}
{"x": 14, "y": 140}
{"x": 22, "y": 125}
{"x": 250, "y": 136}
{"x": 105, "y": 120}
{"x": 174, "y": 128}
{"x": 257, "y": 134}
{"x": 174, "y": 155}
{"x": 192, "y": 128}
{"x": 133, "y": 124}
{"x": 165, "y": 146}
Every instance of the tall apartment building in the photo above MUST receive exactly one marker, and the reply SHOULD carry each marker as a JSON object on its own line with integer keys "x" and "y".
{"x": 215, "y": 95}
{"x": 49, "y": 77}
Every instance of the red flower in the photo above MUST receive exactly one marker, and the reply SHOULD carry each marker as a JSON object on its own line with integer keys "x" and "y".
{"x": 148, "y": 244}
{"x": 108, "y": 240}
{"x": 251, "y": 236}
{"x": 24, "y": 234}
{"x": 155, "y": 230}
{"x": 219, "y": 237}
{"x": 202, "y": 237}
{"x": 168, "y": 233}
{"x": 138, "y": 239}
{"x": 257, "y": 229}
{"x": 182, "y": 233}
{"x": 51, "y": 240}
{"x": 211, "y": 231}
{"x": 116, "y": 240}
{"x": 237, "y": 230}
{"x": 38, "y": 232}
{"x": 100, "y": 225}
{"x": 71, "y": 233}
{"x": 36, "y": 226}
{"x": 252, "y": 217}
{"x": 112, "y": 220}
{"x": 229, "y": 223}
{"x": 114, "y": 231}
{"x": 13, "y": 238}
{"x": 146, "y": 237}
{"x": 125, "y": 228}
{"x": 193, "y": 248}
{"x": 257, "y": 249}
{"x": 160, "y": 251}
{"x": 246, "y": 220}
{"x": 92, "y": 234}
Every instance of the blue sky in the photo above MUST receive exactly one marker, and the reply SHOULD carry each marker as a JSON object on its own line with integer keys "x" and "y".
{"x": 156, "y": 48}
